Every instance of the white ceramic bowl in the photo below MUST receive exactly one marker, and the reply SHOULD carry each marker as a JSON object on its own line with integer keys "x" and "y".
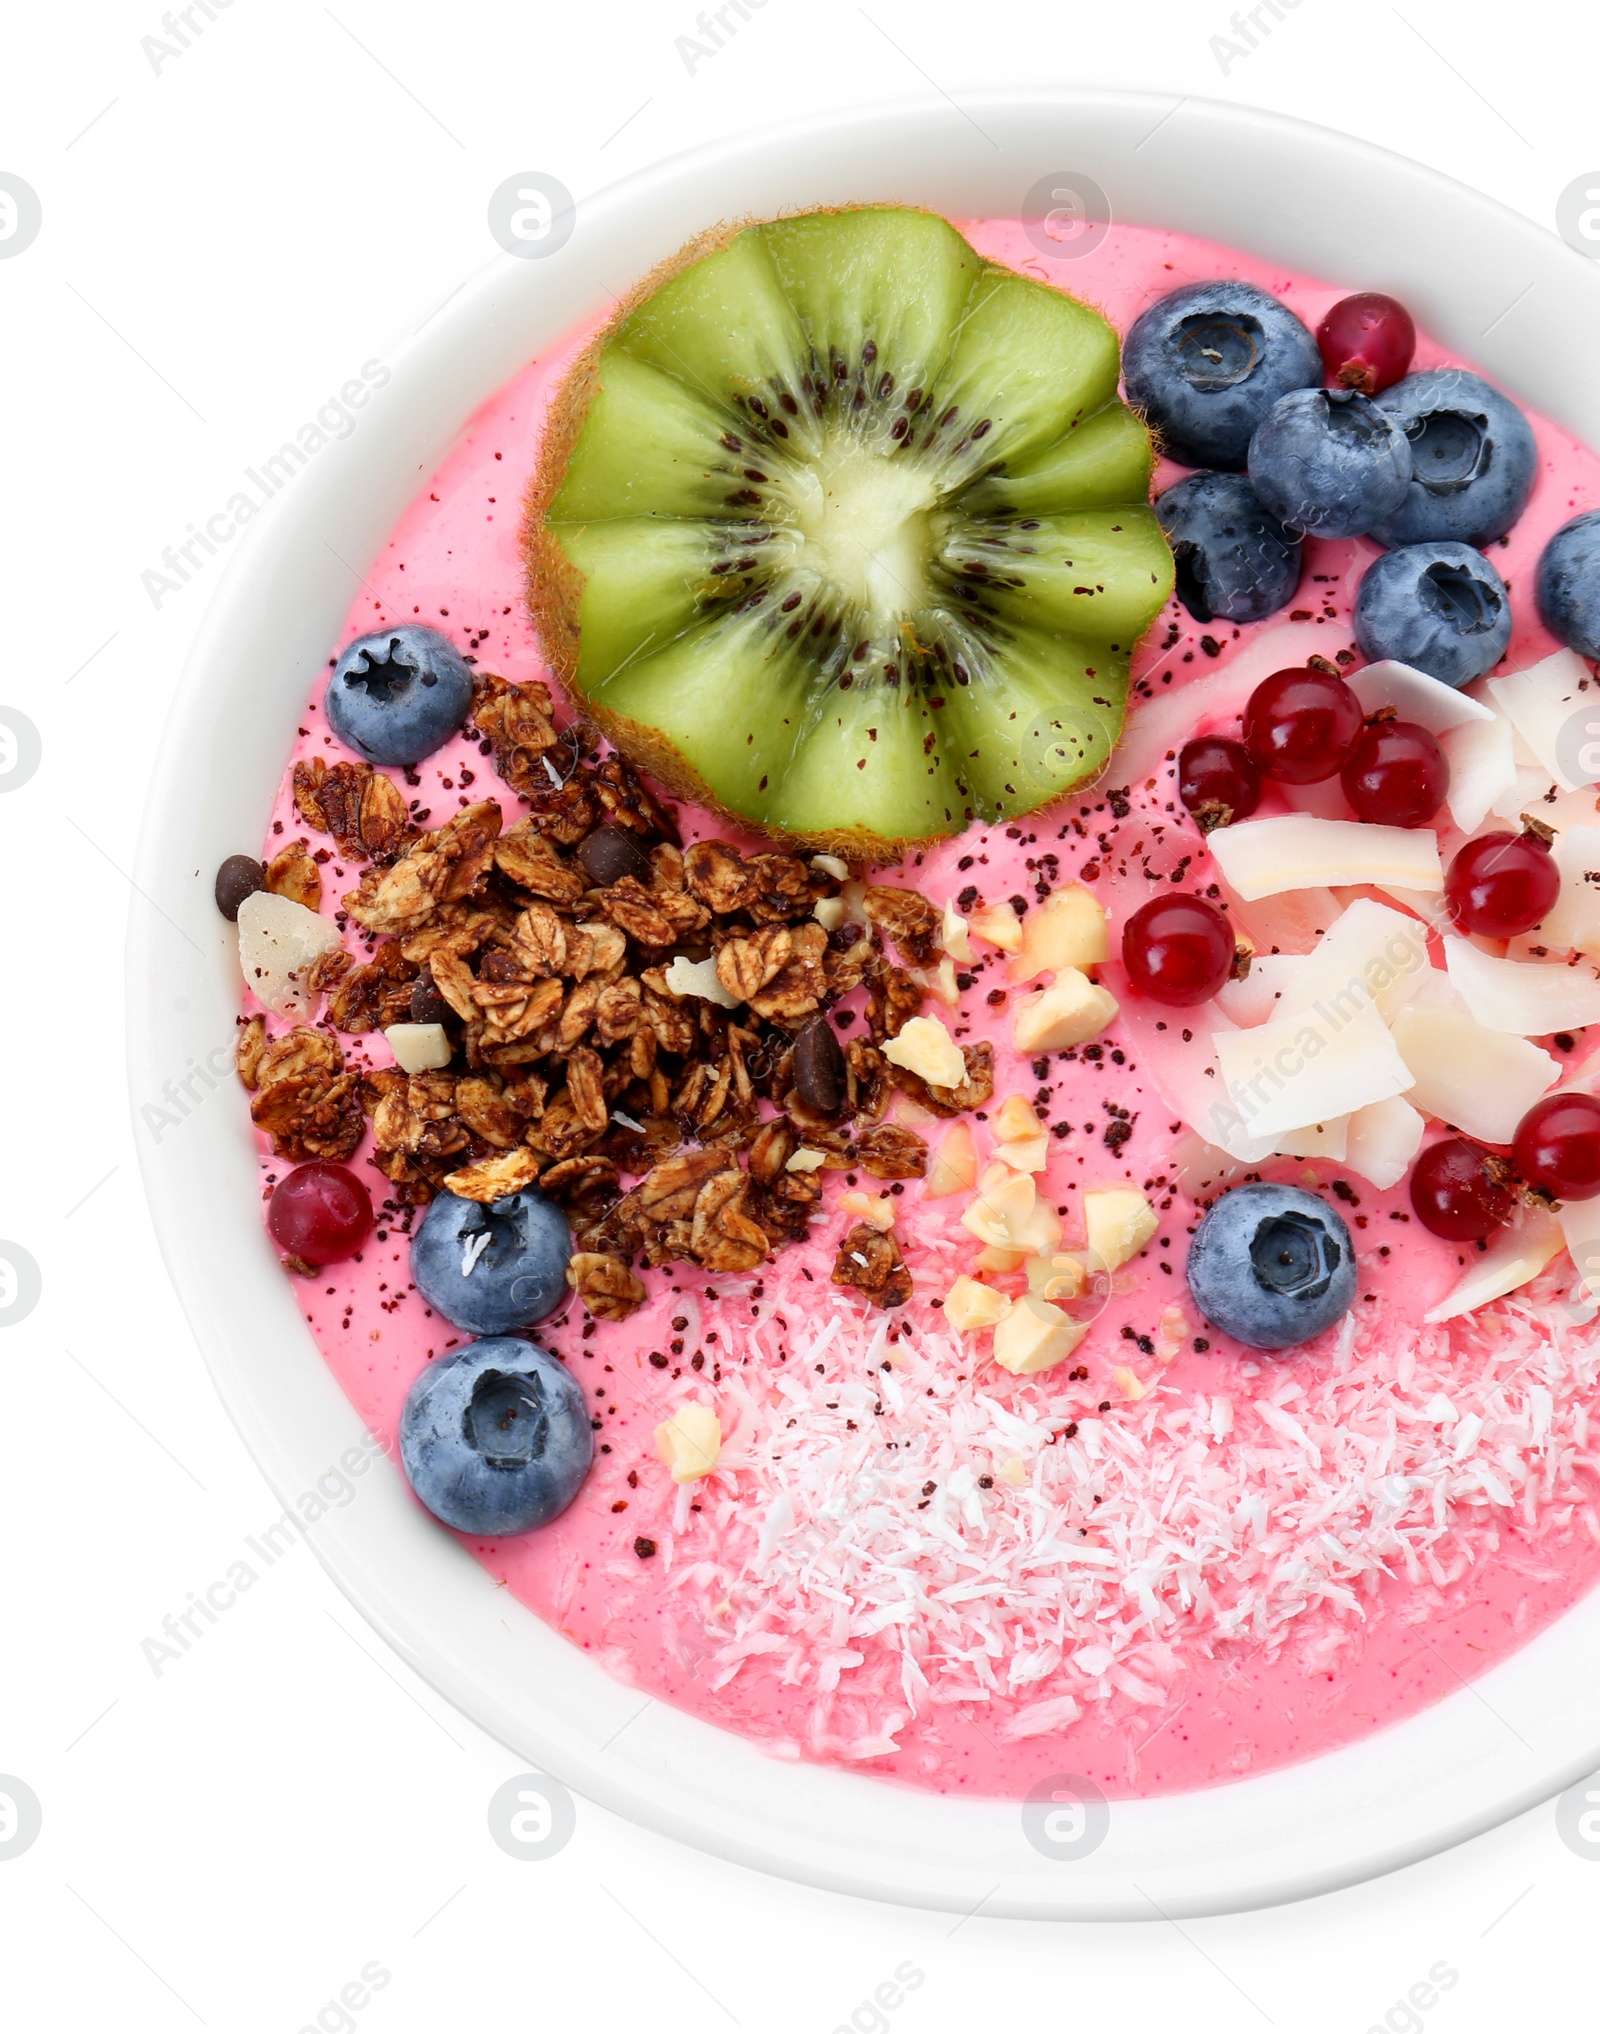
{"x": 1481, "y": 279}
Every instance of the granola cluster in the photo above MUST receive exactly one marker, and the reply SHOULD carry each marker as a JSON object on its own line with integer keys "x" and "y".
{"x": 546, "y": 948}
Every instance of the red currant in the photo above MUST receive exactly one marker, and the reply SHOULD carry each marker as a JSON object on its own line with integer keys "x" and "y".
{"x": 1456, "y": 1192}
{"x": 1217, "y": 781}
{"x": 319, "y": 1213}
{"x": 1178, "y": 950}
{"x": 1501, "y": 884}
{"x": 1300, "y": 725}
{"x": 1367, "y": 342}
{"x": 1396, "y": 774}
{"x": 1558, "y": 1146}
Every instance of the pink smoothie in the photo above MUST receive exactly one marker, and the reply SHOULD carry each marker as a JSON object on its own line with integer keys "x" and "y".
{"x": 1192, "y": 1563}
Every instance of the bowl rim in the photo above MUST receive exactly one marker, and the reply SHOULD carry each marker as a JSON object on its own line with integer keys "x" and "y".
{"x": 1223, "y": 172}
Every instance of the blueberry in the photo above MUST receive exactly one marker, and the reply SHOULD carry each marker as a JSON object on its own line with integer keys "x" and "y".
{"x": 492, "y": 1266}
{"x": 1442, "y": 608}
{"x": 495, "y": 1437}
{"x": 1207, "y": 363}
{"x": 1328, "y": 462}
{"x": 1235, "y": 561}
{"x": 397, "y": 695}
{"x": 1472, "y": 459}
{"x": 1272, "y": 1265}
{"x": 1569, "y": 584}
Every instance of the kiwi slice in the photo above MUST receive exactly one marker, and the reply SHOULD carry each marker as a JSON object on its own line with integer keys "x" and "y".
{"x": 841, "y": 529}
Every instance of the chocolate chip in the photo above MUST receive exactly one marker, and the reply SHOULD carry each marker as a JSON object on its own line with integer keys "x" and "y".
{"x": 819, "y": 1077}
{"x": 427, "y": 1005}
{"x": 238, "y": 878}
{"x": 608, "y": 854}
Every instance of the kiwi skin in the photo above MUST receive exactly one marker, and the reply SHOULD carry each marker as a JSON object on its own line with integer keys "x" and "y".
{"x": 555, "y": 586}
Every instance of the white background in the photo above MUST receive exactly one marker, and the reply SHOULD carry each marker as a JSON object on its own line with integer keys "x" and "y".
{"x": 229, "y": 1843}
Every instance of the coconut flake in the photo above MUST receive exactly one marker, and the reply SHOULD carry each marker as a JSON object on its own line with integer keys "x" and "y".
{"x": 1539, "y": 703}
{"x": 1416, "y": 697}
{"x": 1531, "y": 998}
{"x": 1296, "y": 850}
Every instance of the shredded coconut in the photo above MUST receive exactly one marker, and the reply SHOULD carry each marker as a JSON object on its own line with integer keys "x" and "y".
{"x": 862, "y": 1537}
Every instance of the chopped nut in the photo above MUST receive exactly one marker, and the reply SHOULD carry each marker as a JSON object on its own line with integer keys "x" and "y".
{"x": 1036, "y": 1336}
{"x": 418, "y": 1048}
{"x": 1071, "y": 1010}
{"x": 1172, "y": 1331}
{"x": 969, "y": 1306}
{"x": 1129, "y": 1382}
{"x": 830, "y": 865}
{"x": 955, "y": 1164}
{"x": 924, "y": 1047}
{"x": 699, "y": 978}
{"x": 941, "y": 984}
{"x": 973, "y": 1092}
{"x": 829, "y": 913}
{"x": 1000, "y": 1213}
{"x": 805, "y": 1160}
{"x": 1008, "y": 1214}
{"x": 1025, "y": 1154}
{"x": 690, "y": 1442}
{"x": 1059, "y": 1276}
{"x": 998, "y": 924}
{"x": 1015, "y": 1119}
{"x": 1022, "y": 1143}
{"x": 1068, "y": 930}
{"x": 877, "y": 1209}
{"x": 953, "y": 934}
{"x": 1118, "y": 1222}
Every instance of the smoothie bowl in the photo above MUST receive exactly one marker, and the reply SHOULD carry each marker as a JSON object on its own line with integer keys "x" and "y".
{"x": 911, "y": 1001}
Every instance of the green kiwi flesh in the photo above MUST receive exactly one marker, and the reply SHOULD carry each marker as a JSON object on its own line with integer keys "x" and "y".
{"x": 843, "y": 529}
